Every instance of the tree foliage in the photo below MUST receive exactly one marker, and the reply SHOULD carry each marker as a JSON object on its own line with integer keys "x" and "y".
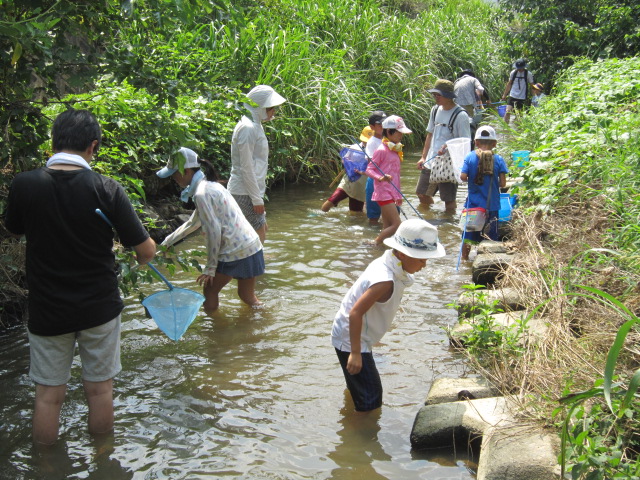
{"x": 551, "y": 34}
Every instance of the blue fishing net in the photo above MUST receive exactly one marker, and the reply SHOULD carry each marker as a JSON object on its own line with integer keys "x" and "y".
{"x": 174, "y": 310}
{"x": 353, "y": 160}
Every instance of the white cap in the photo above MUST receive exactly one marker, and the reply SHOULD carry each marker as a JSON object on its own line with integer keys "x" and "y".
{"x": 265, "y": 96}
{"x": 396, "y": 123}
{"x": 485, "y": 133}
{"x": 191, "y": 161}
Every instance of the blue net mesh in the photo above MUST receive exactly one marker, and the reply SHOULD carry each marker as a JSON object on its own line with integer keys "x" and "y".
{"x": 174, "y": 310}
{"x": 353, "y": 160}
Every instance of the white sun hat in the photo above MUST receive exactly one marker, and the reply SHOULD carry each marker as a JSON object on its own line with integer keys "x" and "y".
{"x": 417, "y": 239}
{"x": 266, "y": 97}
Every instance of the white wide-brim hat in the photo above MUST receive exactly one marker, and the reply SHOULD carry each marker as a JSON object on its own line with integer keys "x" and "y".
{"x": 417, "y": 239}
{"x": 265, "y": 96}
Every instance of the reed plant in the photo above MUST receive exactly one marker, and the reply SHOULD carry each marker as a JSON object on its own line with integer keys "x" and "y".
{"x": 335, "y": 61}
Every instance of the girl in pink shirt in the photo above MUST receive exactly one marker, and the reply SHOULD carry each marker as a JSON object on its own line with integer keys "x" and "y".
{"x": 384, "y": 169}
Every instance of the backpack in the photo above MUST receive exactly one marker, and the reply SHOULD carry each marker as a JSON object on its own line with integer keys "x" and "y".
{"x": 526, "y": 83}
{"x": 452, "y": 119}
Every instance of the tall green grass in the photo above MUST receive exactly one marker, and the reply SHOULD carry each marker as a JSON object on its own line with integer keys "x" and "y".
{"x": 334, "y": 60}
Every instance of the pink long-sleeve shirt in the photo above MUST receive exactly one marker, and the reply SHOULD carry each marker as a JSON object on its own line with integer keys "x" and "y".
{"x": 389, "y": 163}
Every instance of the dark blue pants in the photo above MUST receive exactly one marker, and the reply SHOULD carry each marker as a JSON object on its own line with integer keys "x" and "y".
{"x": 365, "y": 387}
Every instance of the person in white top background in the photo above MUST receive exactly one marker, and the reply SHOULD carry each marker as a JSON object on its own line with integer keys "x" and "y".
{"x": 468, "y": 91}
{"x": 517, "y": 88}
{"x": 370, "y": 305}
{"x": 250, "y": 156}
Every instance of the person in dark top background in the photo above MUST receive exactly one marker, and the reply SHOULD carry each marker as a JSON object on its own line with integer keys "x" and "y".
{"x": 71, "y": 272}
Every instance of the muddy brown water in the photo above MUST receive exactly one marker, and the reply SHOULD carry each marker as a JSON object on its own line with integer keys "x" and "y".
{"x": 258, "y": 394}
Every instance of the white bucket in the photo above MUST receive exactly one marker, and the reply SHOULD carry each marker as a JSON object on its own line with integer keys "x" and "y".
{"x": 458, "y": 149}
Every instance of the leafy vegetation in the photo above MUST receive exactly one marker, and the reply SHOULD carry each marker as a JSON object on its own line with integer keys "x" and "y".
{"x": 586, "y": 148}
{"x": 601, "y": 441}
{"x": 553, "y": 34}
{"x": 333, "y": 60}
{"x": 578, "y": 267}
{"x": 486, "y": 336}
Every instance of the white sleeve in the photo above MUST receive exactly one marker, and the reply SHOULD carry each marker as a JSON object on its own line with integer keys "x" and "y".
{"x": 184, "y": 230}
{"x": 209, "y": 209}
{"x": 244, "y": 145}
{"x": 461, "y": 127}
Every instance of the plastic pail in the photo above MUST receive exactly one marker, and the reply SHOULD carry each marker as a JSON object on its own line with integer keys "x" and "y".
{"x": 458, "y": 149}
{"x": 473, "y": 219}
{"x": 507, "y": 202}
{"x": 502, "y": 109}
{"x": 520, "y": 158}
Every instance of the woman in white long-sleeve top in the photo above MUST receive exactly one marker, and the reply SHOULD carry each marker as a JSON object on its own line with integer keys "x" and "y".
{"x": 250, "y": 155}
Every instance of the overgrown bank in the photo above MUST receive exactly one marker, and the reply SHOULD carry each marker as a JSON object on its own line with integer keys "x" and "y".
{"x": 578, "y": 268}
{"x": 161, "y": 74}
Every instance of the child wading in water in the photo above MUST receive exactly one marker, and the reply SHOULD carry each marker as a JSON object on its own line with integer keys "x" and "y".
{"x": 384, "y": 169}
{"x": 370, "y": 305}
{"x": 354, "y": 191}
{"x": 233, "y": 246}
{"x": 485, "y": 173}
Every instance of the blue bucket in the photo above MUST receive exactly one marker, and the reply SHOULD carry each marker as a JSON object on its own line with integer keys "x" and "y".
{"x": 507, "y": 202}
{"x": 502, "y": 109}
{"x": 520, "y": 158}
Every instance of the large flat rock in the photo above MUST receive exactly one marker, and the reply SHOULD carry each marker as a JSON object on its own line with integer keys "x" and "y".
{"x": 488, "y": 267}
{"x": 531, "y": 332}
{"x": 444, "y": 390}
{"x": 508, "y": 450}
{"x": 509, "y": 299}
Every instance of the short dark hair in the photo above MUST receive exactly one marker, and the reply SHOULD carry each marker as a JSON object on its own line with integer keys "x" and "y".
{"x": 75, "y": 130}
{"x": 377, "y": 117}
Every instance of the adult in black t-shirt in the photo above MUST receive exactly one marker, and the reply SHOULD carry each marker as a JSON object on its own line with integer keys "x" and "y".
{"x": 71, "y": 271}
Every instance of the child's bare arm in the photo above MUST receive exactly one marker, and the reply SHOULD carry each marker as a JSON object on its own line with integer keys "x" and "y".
{"x": 377, "y": 292}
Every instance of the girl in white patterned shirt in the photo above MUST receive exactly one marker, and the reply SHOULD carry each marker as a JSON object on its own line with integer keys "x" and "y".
{"x": 234, "y": 249}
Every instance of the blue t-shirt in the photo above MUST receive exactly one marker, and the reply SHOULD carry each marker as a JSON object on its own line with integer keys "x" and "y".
{"x": 478, "y": 193}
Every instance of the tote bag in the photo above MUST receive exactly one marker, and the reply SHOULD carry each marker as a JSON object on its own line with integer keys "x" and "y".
{"x": 442, "y": 170}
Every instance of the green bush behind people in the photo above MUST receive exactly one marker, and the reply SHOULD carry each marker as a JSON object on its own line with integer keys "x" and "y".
{"x": 163, "y": 74}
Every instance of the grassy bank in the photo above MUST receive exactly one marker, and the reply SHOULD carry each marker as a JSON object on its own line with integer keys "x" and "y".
{"x": 578, "y": 266}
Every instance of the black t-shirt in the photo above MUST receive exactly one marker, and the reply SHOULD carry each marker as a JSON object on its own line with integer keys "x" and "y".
{"x": 71, "y": 271}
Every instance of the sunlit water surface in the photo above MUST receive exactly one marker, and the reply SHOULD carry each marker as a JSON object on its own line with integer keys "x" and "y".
{"x": 258, "y": 394}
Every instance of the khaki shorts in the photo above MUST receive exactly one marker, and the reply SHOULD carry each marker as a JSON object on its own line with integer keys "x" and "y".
{"x": 448, "y": 191}
{"x": 99, "y": 347}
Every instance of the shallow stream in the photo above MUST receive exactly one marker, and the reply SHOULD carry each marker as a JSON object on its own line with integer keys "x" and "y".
{"x": 258, "y": 394}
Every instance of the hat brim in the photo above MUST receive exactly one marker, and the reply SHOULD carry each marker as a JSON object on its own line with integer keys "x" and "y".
{"x": 415, "y": 252}
{"x": 404, "y": 130}
{"x": 274, "y": 100}
{"x": 444, "y": 94}
{"x": 166, "y": 172}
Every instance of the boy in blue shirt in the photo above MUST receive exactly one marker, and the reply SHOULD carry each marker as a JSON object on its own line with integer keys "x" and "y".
{"x": 485, "y": 173}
